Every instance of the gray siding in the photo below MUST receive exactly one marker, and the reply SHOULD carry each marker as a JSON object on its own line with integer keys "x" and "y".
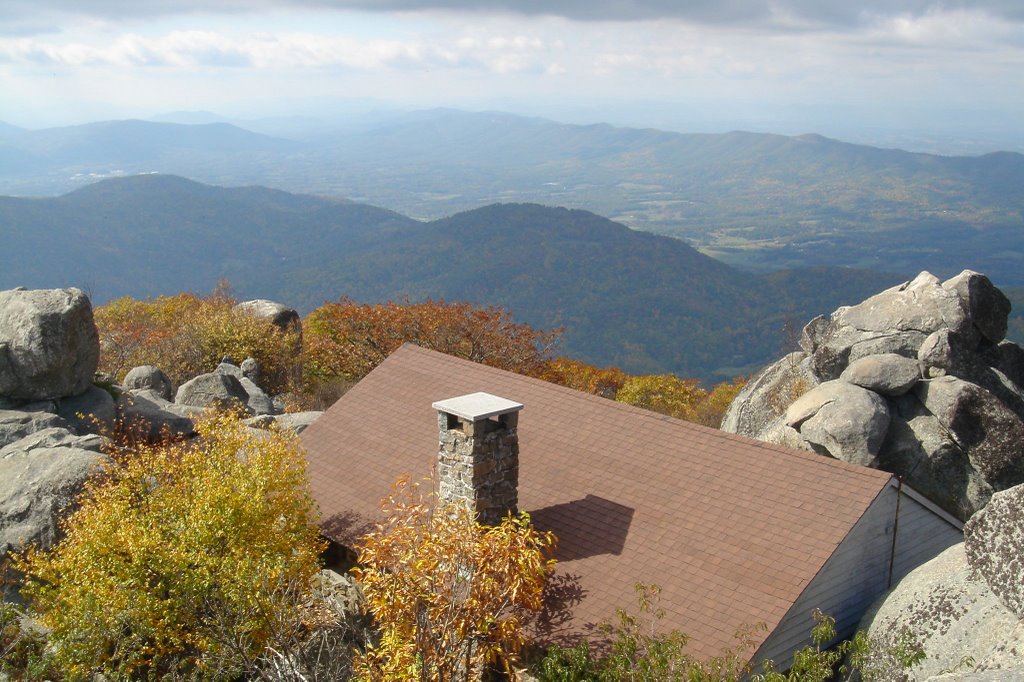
{"x": 858, "y": 571}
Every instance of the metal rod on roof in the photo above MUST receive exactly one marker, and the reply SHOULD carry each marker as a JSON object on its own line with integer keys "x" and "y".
{"x": 895, "y": 528}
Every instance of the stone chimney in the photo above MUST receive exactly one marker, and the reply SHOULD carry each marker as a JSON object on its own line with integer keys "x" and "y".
{"x": 478, "y": 454}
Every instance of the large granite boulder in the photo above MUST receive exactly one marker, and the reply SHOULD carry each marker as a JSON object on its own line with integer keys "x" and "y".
{"x": 40, "y": 478}
{"x": 220, "y": 390}
{"x": 148, "y": 377}
{"x": 293, "y": 422}
{"x": 49, "y": 347}
{"x": 841, "y": 420}
{"x": 145, "y": 413}
{"x": 994, "y": 544}
{"x": 15, "y": 425}
{"x": 968, "y": 602}
{"x": 93, "y": 411}
{"x": 948, "y": 609}
{"x": 917, "y": 380}
{"x": 895, "y": 321}
{"x": 257, "y": 401}
{"x": 281, "y": 316}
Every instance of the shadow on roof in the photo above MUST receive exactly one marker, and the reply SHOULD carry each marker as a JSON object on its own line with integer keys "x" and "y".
{"x": 346, "y": 528}
{"x": 586, "y": 527}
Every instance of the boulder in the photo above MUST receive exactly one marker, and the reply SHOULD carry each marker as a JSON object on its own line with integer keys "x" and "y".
{"x": 145, "y": 412}
{"x": 91, "y": 412}
{"x": 994, "y": 544}
{"x": 987, "y": 307}
{"x": 251, "y": 369}
{"x": 886, "y": 373}
{"x": 15, "y": 425}
{"x": 841, "y": 420}
{"x": 933, "y": 353}
{"x": 894, "y": 321}
{"x": 53, "y": 438}
{"x": 148, "y": 377}
{"x": 1011, "y": 361}
{"x": 1003, "y": 674}
{"x": 950, "y": 353}
{"x": 760, "y": 404}
{"x": 219, "y": 390}
{"x": 296, "y": 422}
{"x": 919, "y": 447}
{"x": 49, "y": 347}
{"x": 990, "y": 433}
{"x": 281, "y": 316}
{"x": 229, "y": 368}
{"x": 952, "y": 612}
{"x": 37, "y": 485}
{"x": 256, "y": 400}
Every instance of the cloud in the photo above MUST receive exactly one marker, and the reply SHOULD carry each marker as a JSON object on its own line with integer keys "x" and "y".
{"x": 762, "y": 13}
{"x": 496, "y": 53}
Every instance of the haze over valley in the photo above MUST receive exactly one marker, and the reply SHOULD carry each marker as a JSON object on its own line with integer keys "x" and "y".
{"x": 307, "y": 151}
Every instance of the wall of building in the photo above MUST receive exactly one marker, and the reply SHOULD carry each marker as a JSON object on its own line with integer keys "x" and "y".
{"x": 859, "y": 570}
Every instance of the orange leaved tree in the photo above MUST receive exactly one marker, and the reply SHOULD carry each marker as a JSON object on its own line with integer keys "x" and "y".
{"x": 348, "y": 339}
{"x": 448, "y": 596}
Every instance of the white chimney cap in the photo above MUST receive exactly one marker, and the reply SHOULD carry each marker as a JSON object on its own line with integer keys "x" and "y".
{"x": 477, "y": 406}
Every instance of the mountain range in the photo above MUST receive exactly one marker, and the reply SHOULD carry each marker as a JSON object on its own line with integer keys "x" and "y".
{"x": 759, "y": 201}
{"x": 644, "y": 302}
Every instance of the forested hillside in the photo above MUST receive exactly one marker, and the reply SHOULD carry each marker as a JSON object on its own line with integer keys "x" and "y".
{"x": 643, "y": 302}
{"x": 758, "y": 201}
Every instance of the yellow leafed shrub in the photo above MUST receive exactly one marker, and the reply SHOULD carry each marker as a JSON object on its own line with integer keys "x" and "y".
{"x": 175, "y": 556}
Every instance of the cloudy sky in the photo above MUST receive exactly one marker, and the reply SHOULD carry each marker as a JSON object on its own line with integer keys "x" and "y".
{"x": 792, "y": 65}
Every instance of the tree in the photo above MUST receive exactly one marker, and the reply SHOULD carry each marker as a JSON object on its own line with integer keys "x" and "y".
{"x": 347, "y": 339}
{"x": 447, "y": 595}
{"x": 603, "y": 381}
{"x": 680, "y": 398}
{"x": 171, "y": 542}
{"x": 186, "y": 335}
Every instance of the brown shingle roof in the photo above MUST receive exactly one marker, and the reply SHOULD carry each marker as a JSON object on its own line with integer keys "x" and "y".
{"x": 732, "y": 529}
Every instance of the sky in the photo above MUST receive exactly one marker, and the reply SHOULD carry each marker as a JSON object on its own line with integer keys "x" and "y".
{"x": 877, "y": 69}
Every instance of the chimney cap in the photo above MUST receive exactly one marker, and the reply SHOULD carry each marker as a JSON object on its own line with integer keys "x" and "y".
{"x": 477, "y": 406}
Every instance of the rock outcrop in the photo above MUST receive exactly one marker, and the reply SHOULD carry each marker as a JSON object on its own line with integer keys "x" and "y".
{"x": 146, "y": 413}
{"x": 966, "y": 602}
{"x": 294, "y": 422}
{"x": 49, "y": 347}
{"x": 219, "y": 390}
{"x": 92, "y": 411}
{"x": 15, "y": 424}
{"x": 49, "y": 351}
{"x": 281, "y": 316}
{"x": 41, "y": 475}
{"x": 917, "y": 380}
{"x": 148, "y": 377}
{"x": 257, "y": 401}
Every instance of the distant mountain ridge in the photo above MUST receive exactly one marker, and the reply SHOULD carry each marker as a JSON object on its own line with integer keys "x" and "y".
{"x": 644, "y": 302}
{"x": 760, "y": 201}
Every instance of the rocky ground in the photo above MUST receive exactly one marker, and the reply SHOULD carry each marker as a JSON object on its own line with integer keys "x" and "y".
{"x": 917, "y": 380}
{"x": 53, "y": 416}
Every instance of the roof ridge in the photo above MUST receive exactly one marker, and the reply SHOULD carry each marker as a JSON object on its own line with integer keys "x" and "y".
{"x": 810, "y": 457}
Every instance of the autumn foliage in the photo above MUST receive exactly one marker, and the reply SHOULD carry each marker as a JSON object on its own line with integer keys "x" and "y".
{"x": 342, "y": 342}
{"x": 169, "y": 547}
{"x": 348, "y": 339}
{"x": 448, "y": 596}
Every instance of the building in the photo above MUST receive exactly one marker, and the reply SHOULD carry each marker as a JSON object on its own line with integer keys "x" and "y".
{"x": 735, "y": 531}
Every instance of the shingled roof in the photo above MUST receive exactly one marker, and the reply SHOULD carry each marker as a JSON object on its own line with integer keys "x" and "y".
{"x": 732, "y": 529}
